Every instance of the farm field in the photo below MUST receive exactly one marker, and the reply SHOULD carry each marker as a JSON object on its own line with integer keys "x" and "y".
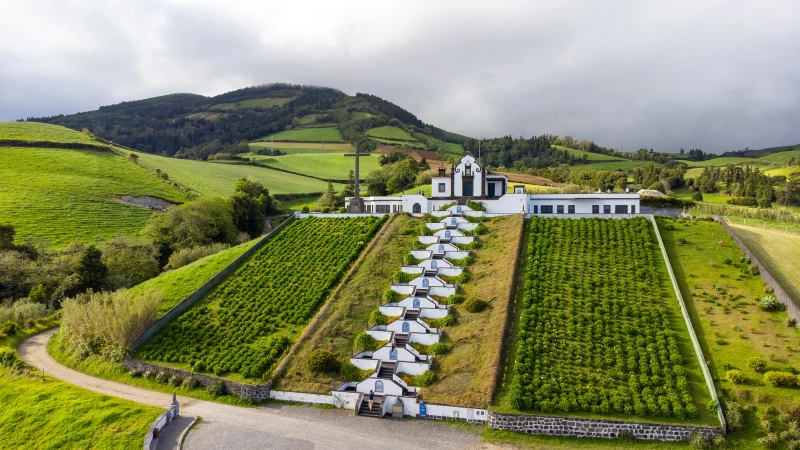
{"x": 597, "y": 310}
{"x": 723, "y": 161}
{"x": 781, "y": 158}
{"x": 350, "y": 308}
{"x": 466, "y": 376}
{"x": 589, "y": 155}
{"x": 410, "y": 144}
{"x": 329, "y": 166}
{"x": 219, "y": 179}
{"x": 783, "y": 171}
{"x": 66, "y": 416}
{"x": 175, "y": 285}
{"x": 780, "y": 252}
{"x": 326, "y": 134}
{"x": 389, "y": 132}
{"x": 268, "y": 301}
{"x": 622, "y": 164}
{"x": 292, "y": 148}
{"x": 58, "y": 196}
{"x": 34, "y": 131}
{"x": 450, "y": 149}
{"x": 268, "y": 102}
{"x": 731, "y": 327}
{"x": 714, "y": 197}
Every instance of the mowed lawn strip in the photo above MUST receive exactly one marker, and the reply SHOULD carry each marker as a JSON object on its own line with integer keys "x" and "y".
{"x": 349, "y": 310}
{"x": 176, "y": 285}
{"x": 51, "y": 414}
{"x": 466, "y": 376}
{"x": 780, "y": 252}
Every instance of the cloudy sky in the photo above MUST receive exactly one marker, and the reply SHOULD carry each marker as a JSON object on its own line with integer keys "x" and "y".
{"x": 718, "y": 75}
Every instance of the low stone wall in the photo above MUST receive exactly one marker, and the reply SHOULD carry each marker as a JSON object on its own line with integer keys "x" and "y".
{"x": 780, "y": 293}
{"x": 243, "y": 390}
{"x": 609, "y": 429}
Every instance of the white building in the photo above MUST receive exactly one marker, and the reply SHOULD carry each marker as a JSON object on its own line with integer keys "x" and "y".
{"x": 468, "y": 181}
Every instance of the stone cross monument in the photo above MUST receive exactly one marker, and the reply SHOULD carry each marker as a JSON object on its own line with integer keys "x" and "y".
{"x": 356, "y": 203}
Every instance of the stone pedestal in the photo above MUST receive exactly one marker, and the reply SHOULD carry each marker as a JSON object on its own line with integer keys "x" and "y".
{"x": 356, "y": 206}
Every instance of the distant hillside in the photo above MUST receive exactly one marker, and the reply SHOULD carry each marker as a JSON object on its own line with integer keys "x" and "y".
{"x": 747, "y": 153}
{"x": 194, "y": 126}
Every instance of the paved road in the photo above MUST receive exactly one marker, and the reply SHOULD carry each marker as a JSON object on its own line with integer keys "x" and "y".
{"x": 272, "y": 426}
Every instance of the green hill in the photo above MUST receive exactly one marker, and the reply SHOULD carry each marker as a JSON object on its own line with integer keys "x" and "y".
{"x": 307, "y": 135}
{"x": 40, "y": 132}
{"x": 589, "y": 155}
{"x": 392, "y": 133}
{"x": 328, "y": 166}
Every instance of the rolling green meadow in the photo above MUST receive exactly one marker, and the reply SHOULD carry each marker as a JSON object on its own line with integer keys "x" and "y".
{"x": 327, "y": 134}
{"x": 389, "y": 132}
{"x": 589, "y": 155}
{"x": 621, "y": 164}
{"x": 328, "y": 166}
{"x": 33, "y": 131}
{"x": 292, "y": 148}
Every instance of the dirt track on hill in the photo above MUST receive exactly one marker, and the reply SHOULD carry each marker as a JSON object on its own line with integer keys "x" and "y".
{"x": 272, "y": 426}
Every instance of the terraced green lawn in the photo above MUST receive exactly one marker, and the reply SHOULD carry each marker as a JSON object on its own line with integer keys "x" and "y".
{"x": 177, "y": 284}
{"x": 60, "y": 196}
{"x": 209, "y": 178}
{"x": 51, "y": 414}
{"x": 388, "y": 132}
{"x": 34, "y": 131}
{"x": 328, "y": 166}
{"x": 307, "y": 135}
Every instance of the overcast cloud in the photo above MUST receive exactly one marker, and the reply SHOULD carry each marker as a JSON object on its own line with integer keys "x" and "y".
{"x": 718, "y": 75}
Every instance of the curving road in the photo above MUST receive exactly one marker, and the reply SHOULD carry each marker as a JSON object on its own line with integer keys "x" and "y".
{"x": 272, "y": 426}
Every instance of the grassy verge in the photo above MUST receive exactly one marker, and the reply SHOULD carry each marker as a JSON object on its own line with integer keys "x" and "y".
{"x": 12, "y": 342}
{"x": 51, "y": 414}
{"x": 526, "y": 441}
{"x": 349, "y": 310}
{"x": 466, "y": 375}
{"x": 100, "y": 368}
{"x": 730, "y": 326}
{"x": 780, "y": 252}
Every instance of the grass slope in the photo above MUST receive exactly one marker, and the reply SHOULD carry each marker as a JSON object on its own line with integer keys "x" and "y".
{"x": 720, "y": 162}
{"x": 177, "y": 284}
{"x": 329, "y": 166}
{"x": 730, "y": 326}
{"x": 268, "y": 102}
{"x": 622, "y": 164}
{"x": 308, "y": 135}
{"x": 466, "y": 375}
{"x": 63, "y": 196}
{"x": 589, "y": 155}
{"x": 349, "y": 309}
{"x": 34, "y": 131}
{"x": 389, "y": 132}
{"x": 450, "y": 149}
{"x": 52, "y": 414}
{"x": 780, "y": 252}
{"x": 780, "y": 158}
{"x": 219, "y": 179}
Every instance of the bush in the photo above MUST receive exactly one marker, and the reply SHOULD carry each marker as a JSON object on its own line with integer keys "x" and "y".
{"x": 752, "y": 269}
{"x": 342, "y": 210}
{"x": 445, "y": 321}
{"x": 350, "y": 372}
{"x": 376, "y": 318}
{"x": 680, "y": 241}
{"x": 190, "y": 383}
{"x": 712, "y": 405}
{"x": 768, "y": 289}
{"x": 791, "y": 322}
{"x": 455, "y": 299}
{"x": 475, "y": 305}
{"x": 162, "y": 377}
{"x": 735, "y": 376}
{"x": 780, "y": 379}
{"x": 757, "y": 363}
{"x": 326, "y": 209}
{"x": 770, "y": 303}
{"x": 744, "y": 259}
{"x": 23, "y": 312}
{"x": 149, "y": 374}
{"x": 216, "y": 389}
{"x": 175, "y": 380}
{"x": 305, "y": 209}
{"x": 187, "y": 256}
{"x": 727, "y": 261}
{"x": 320, "y": 361}
{"x": 697, "y": 440}
{"x": 743, "y": 201}
{"x": 365, "y": 342}
{"x": 734, "y": 416}
{"x": 697, "y": 196}
{"x": 438, "y": 349}
{"x": 8, "y": 328}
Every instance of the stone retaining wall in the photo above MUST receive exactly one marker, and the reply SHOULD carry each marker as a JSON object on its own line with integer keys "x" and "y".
{"x": 609, "y": 429}
{"x": 246, "y": 391}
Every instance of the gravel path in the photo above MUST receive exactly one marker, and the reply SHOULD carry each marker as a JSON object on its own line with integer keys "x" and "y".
{"x": 272, "y": 426}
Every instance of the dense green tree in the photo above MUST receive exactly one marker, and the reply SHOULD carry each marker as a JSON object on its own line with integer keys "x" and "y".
{"x": 251, "y": 203}
{"x": 327, "y": 197}
{"x": 90, "y": 270}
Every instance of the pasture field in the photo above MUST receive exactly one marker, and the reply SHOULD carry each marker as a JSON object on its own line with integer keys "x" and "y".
{"x": 58, "y": 196}
{"x": 328, "y": 166}
{"x": 410, "y": 144}
{"x": 781, "y": 158}
{"x": 783, "y": 171}
{"x": 713, "y": 197}
{"x": 731, "y": 327}
{"x": 208, "y": 178}
{"x": 389, "y": 132}
{"x": 589, "y": 155}
{"x": 208, "y": 115}
{"x": 450, "y": 149}
{"x": 176, "y": 285}
{"x": 359, "y": 115}
{"x": 600, "y": 332}
{"x": 622, "y": 164}
{"x": 723, "y": 161}
{"x": 466, "y": 375}
{"x": 780, "y": 252}
{"x": 693, "y": 173}
{"x": 326, "y": 134}
{"x": 51, "y": 414}
{"x": 292, "y": 148}
{"x": 309, "y": 119}
{"x": 244, "y": 327}
{"x": 34, "y": 131}
{"x": 350, "y": 308}
{"x": 268, "y": 102}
